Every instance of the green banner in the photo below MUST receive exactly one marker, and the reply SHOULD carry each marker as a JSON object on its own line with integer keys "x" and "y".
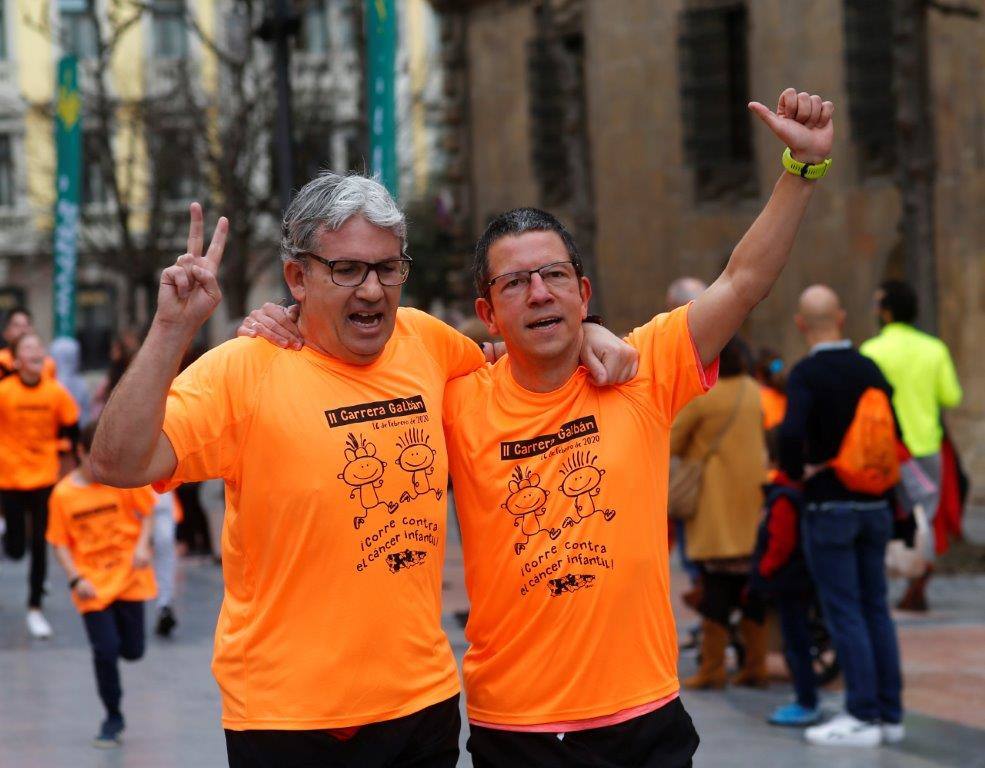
{"x": 68, "y": 141}
{"x": 381, "y": 56}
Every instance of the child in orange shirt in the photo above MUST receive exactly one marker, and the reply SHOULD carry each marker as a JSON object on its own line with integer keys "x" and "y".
{"x": 101, "y": 538}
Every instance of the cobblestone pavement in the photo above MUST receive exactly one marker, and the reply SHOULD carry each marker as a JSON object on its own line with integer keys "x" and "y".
{"x": 49, "y": 710}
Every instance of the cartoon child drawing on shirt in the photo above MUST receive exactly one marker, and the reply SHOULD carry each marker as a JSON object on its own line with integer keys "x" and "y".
{"x": 581, "y": 483}
{"x": 527, "y": 502}
{"x": 364, "y": 473}
{"x": 417, "y": 458}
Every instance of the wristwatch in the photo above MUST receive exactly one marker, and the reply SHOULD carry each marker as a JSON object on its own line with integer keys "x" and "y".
{"x": 805, "y": 170}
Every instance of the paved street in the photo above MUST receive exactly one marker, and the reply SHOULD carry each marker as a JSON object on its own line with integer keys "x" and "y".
{"x": 49, "y": 710}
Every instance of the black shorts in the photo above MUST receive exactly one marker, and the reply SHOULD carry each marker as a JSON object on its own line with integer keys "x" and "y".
{"x": 664, "y": 738}
{"x": 425, "y": 739}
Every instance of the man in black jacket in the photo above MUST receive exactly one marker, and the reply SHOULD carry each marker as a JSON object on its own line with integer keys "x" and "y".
{"x": 844, "y": 532}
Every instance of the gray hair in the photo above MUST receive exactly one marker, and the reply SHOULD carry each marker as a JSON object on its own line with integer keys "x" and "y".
{"x": 327, "y": 202}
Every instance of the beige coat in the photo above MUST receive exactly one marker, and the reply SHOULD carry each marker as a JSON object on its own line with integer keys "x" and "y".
{"x": 731, "y": 497}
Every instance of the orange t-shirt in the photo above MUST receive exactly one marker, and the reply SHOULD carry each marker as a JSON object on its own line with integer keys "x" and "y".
{"x": 562, "y": 500}
{"x": 335, "y": 520}
{"x": 49, "y": 370}
{"x": 100, "y": 526}
{"x": 30, "y": 418}
{"x": 774, "y": 405}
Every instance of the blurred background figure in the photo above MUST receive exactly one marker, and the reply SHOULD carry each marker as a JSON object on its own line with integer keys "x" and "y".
{"x": 682, "y": 291}
{"x": 36, "y": 414}
{"x": 67, "y": 355}
{"x": 724, "y": 430}
{"x": 772, "y": 386}
{"x": 18, "y": 323}
{"x": 920, "y": 370}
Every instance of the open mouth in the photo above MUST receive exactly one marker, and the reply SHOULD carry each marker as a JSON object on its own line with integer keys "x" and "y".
{"x": 544, "y": 323}
{"x": 366, "y": 320}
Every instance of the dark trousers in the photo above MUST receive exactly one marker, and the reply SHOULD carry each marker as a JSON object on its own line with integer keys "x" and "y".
{"x": 724, "y": 592}
{"x": 19, "y": 507}
{"x": 794, "y": 612}
{"x": 664, "y": 738}
{"x": 115, "y": 632}
{"x": 845, "y": 545}
{"x": 425, "y": 739}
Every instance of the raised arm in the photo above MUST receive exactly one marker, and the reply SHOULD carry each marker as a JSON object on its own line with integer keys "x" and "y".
{"x": 803, "y": 123}
{"x": 130, "y": 449}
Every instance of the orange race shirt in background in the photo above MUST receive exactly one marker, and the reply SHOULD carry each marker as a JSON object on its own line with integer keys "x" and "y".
{"x": 562, "y": 500}
{"x": 774, "y": 405}
{"x": 100, "y": 526}
{"x": 335, "y": 521}
{"x": 30, "y": 418}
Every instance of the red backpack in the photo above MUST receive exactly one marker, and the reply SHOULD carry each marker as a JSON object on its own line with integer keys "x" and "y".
{"x": 868, "y": 461}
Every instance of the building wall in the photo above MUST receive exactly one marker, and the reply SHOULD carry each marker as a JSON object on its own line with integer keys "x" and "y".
{"x": 650, "y": 229}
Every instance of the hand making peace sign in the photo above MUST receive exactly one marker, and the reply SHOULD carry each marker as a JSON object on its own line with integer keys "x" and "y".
{"x": 802, "y": 121}
{"x": 189, "y": 291}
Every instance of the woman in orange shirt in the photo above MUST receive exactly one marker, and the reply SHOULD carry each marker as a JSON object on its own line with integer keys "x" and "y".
{"x": 36, "y": 412}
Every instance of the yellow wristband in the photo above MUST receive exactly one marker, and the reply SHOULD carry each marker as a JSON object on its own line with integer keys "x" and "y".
{"x": 805, "y": 170}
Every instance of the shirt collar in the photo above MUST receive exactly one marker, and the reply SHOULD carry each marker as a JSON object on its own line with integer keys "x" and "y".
{"x": 826, "y": 346}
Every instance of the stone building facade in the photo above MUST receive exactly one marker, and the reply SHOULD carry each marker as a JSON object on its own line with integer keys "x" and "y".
{"x": 672, "y": 169}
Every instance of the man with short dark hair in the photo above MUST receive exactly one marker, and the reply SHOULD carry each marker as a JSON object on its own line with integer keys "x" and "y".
{"x": 18, "y": 323}
{"x": 924, "y": 381}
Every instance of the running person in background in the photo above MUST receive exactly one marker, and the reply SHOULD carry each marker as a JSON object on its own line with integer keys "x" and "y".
{"x": 167, "y": 514}
{"x": 329, "y": 648}
{"x": 101, "y": 538}
{"x": 17, "y": 324}
{"x": 36, "y": 413}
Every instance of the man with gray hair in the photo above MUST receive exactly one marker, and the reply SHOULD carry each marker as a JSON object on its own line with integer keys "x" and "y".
{"x": 329, "y": 648}
{"x": 683, "y": 291}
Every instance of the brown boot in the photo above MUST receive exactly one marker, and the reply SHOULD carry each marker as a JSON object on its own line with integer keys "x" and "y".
{"x": 915, "y": 598}
{"x": 711, "y": 673}
{"x": 753, "y": 673}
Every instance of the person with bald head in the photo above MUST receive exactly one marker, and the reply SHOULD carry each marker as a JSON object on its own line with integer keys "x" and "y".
{"x": 683, "y": 291}
{"x": 844, "y": 532}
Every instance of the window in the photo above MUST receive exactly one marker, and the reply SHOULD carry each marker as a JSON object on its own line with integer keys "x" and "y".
{"x": 95, "y": 184}
{"x": 170, "y": 33}
{"x": 869, "y": 74}
{"x": 95, "y": 313}
{"x": 714, "y": 82}
{"x": 79, "y": 34}
{"x": 6, "y": 172}
{"x": 175, "y": 167}
{"x": 548, "y": 103}
{"x": 3, "y": 31}
{"x": 314, "y": 33}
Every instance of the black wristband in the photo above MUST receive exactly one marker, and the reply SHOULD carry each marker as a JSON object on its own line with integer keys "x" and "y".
{"x": 73, "y": 582}
{"x": 596, "y": 319}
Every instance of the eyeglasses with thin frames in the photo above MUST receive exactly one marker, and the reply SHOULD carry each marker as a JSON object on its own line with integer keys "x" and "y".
{"x": 556, "y": 275}
{"x": 350, "y": 273}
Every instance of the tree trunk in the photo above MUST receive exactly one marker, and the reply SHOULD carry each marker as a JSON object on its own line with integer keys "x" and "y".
{"x": 915, "y": 149}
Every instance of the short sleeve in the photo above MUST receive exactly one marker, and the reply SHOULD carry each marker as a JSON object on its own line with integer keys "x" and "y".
{"x": 669, "y": 358}
{"x": 209, "y": 409}
{"x": 949, "y": 392}
{"x": 67, "y": 409}
{"x": 57, "y": 532}
{"x": 455, "y": 353}
{"x": 141, "y": 500}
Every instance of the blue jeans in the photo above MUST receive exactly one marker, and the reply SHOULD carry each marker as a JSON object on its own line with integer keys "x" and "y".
{"x": 845, "y": 545}
{"x": 115, "y": 632}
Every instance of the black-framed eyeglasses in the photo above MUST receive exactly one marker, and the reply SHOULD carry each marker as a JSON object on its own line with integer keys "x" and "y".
{"x": 557, "y": 275}
{"x": 349, "y": 273}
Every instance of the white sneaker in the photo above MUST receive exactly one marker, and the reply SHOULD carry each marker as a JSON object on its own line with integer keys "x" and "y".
{"x": 893, "y": 733}
{"x": 37, "y": 624}
{"x": 845, "y": 731}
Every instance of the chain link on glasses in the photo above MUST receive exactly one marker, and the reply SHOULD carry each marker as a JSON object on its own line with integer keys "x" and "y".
{"x": 349, "y": 273}
{"x": 556, "y": 275}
